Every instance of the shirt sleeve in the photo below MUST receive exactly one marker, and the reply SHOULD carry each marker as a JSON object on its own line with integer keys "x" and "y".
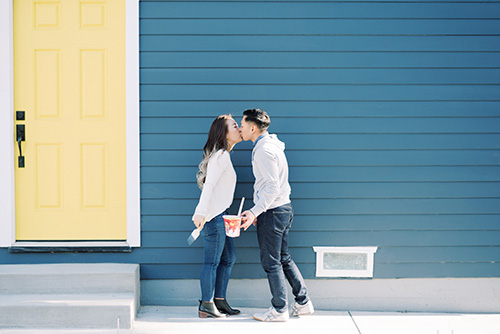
{"x": 267, "y": 165}
{"x": 215, "y": 168}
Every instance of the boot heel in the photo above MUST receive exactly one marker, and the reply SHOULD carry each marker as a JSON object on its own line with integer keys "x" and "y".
{"x": 202, "y": 314}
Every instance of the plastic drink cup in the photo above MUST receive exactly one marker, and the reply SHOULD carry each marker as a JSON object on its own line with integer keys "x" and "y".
{"x": 233, "y": 225}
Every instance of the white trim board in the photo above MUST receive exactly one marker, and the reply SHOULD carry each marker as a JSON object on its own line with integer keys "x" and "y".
{"x": 7, "y": 159}
{"x": 7, "y": 179}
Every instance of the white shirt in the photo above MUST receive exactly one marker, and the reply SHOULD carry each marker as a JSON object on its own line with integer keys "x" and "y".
{"x": 270, "y": 168}
{"x": 218, "y": 190}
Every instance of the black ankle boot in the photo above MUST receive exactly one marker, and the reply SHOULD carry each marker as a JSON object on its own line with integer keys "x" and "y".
{"x": 224, "y": 307}
{"x": 208, "y": 309}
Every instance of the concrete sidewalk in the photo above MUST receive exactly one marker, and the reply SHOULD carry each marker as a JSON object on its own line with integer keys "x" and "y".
{"x": 155, "y": 320}
{"x": 175, "y": 320}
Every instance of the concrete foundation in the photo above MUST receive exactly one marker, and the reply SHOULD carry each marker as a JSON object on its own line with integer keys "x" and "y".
{"x": 468, "y": 295}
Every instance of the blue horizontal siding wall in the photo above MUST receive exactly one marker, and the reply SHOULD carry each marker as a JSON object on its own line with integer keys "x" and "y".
{"x": 389, "y": 112}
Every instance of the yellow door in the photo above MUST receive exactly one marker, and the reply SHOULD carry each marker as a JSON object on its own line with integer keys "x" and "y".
{"x": 69, "y": 78}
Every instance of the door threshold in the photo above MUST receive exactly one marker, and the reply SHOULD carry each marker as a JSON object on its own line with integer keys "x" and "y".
{"x": 70, "y": 247}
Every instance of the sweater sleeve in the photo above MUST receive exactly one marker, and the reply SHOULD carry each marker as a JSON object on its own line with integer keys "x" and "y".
{"x": 215, "y": 168}
{"x": 267, "y": 166}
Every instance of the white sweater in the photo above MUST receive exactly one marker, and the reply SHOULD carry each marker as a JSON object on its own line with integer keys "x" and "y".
{"x": 270, "y": 168}
{"x": 218, "y": 190}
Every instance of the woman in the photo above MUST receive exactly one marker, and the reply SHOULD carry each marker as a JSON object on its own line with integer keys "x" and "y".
{"x": 217, "y": 180}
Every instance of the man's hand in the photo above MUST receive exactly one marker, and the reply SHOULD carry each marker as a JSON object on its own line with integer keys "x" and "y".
{"x": 249, "y": 219}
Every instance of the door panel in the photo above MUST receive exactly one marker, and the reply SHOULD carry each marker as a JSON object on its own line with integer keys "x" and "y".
{"x": 69, "y": 78}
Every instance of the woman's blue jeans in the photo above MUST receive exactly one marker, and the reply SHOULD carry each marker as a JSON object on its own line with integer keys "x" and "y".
{"x": 273, "y": 227}
{"x": 220, "y": 255}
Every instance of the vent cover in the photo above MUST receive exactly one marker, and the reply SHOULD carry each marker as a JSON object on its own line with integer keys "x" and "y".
{"x": 344, "y": 261}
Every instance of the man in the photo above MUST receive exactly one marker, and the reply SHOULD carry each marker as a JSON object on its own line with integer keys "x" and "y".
{"x": 275, "y": 215}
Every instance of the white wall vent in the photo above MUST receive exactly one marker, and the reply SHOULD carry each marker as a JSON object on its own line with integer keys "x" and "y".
{"x": 344, "y": 261}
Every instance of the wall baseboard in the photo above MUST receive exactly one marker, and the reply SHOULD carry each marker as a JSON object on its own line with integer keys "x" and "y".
{"x": 455, "y": 295}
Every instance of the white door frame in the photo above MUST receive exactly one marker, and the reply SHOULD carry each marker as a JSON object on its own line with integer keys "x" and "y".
{"x": 7, "y": 142}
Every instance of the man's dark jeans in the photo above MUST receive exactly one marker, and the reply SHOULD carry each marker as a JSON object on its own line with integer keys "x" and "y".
{"x": 273, "y": 227}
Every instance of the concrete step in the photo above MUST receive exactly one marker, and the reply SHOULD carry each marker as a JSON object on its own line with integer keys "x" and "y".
{"x": 69, "y": 296}
{"x": 67, "y": 331}
{"x": 69, "y": 278}
{"x": 78, "y": 311}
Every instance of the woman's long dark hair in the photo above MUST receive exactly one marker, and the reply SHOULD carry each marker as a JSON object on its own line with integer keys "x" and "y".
{"x": 217, "y": 139}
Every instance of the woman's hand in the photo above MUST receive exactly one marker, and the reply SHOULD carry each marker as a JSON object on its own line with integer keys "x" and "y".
{"x": 199, "y": 221}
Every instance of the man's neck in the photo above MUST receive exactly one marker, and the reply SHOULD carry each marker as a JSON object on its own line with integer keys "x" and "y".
{"x": 257, "y": 136}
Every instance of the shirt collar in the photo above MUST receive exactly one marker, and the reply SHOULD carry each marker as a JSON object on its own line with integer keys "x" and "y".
{"x": 265, "y": 134}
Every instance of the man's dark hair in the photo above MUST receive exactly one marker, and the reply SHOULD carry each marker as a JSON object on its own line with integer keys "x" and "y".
{"x": 259, "y": 117}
